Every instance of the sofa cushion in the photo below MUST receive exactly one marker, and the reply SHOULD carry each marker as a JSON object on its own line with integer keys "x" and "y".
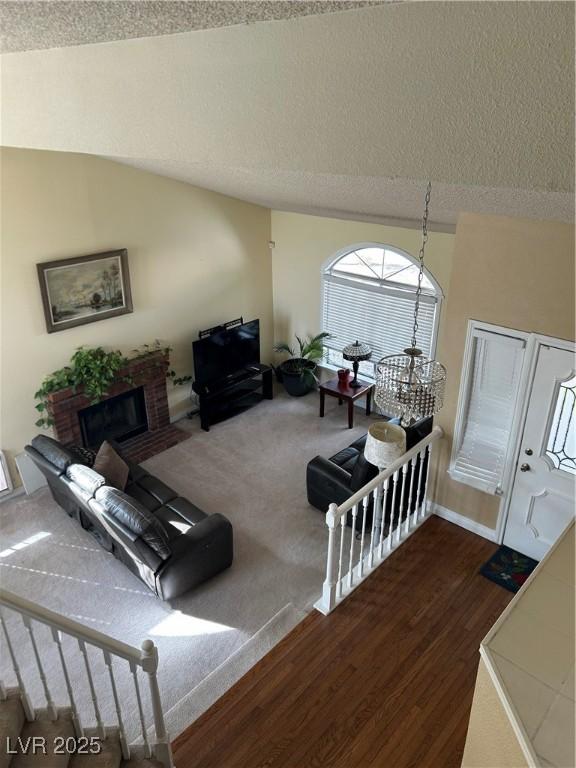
{"x": 85, "y": 477}
{"x": 112, "y": 466}
{"x": 54, "y": 452}
{"x": 178, "y": 516}
{"x": 184, "y": 508}
{"x": 136, "y": 518}
{"x": 362, "y": 473}
{"x": 346, "y": 458}
{"x": 360, "y": 444}
{"x": 156, "y": 488}
{"x": 81, "y": 495}
{"x": 142, "y": 496}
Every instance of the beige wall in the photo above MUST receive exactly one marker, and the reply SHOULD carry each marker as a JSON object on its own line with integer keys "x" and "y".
{"x": 304, "y": 243}
{"x": 491, "y": 742}
{"x": 196, "y": 258}
{"x": 512, "y": 272}
{"x": 517, "y": 273}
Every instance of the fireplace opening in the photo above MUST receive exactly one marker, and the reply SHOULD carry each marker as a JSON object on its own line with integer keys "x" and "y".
{"x": 117, "y": 418}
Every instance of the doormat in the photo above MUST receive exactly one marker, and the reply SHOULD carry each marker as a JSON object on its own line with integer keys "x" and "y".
{"x": 508, "y": 568}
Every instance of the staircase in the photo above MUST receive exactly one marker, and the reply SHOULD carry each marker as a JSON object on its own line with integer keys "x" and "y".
{"x": 53, "y": 743}
{"x": 32, "y": 734}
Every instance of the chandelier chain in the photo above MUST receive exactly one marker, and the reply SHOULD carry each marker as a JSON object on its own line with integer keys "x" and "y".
{"x": 421, "y": 260}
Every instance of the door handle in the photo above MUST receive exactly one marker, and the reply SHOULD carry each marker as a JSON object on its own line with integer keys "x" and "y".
{"x": 524, "y": 467}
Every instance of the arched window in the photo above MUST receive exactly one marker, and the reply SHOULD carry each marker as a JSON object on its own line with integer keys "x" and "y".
{"x": 368, "y": 294}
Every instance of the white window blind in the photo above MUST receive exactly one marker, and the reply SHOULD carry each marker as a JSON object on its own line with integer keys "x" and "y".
{"x": 486, "y": 409}
{"x": 376, "y": 315}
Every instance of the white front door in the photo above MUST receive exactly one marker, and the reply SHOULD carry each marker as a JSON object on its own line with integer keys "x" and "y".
{"x": 542, "y": 502}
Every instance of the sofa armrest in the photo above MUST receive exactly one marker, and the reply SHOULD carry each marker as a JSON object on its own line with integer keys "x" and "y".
{"x": 326, "y": 483}
{"x": 203, "y": 551}
{"x": 49, "y": 470}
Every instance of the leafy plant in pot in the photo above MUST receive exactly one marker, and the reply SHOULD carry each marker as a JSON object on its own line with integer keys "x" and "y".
{"x": 298, "y": 373}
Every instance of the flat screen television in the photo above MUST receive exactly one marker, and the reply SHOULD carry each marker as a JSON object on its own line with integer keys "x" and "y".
{"x": 225, "y": 353}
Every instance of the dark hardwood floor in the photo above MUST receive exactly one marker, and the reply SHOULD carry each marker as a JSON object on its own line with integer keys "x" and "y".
{"x": 385, "y": 681}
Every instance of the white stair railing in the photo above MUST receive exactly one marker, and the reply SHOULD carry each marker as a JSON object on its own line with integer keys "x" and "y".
{"x": 396, "y": 501}
{"x": 144, "y": 661}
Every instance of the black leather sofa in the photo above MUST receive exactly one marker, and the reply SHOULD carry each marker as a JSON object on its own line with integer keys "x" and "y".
{"x": 168, "y": 542}
{"x": 339, "y": 477}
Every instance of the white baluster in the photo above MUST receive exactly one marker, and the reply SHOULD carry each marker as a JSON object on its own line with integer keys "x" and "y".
{"x": 79, "y": 731}
{"x": 365, "y": 502}
{"x": 328, "y": 600}
{"x": 100, "y": 724}
{"x": 382, "y": 513}
{"x": 425, "y": 494}
{"x": 162, "y": 749}
{"x": 421, "y": 456}
{"x": 410, "y": 496}
{"x": 52, "y": 711}
{"x": 352, "y": 540}
{"x": 392, "y": 510}
{"x": 425, "y": 503}
{"x": 24, "y": 698}
{"x": 376, "y": 531}
{"x": 341, "y": 556}
{"x": 134, "y": 670}
{"x": 402, "y": 495}
{"x": 121, "y": 730}
{"x": 2, "y": 691}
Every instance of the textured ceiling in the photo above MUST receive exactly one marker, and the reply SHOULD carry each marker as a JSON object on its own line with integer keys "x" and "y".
{"x": 344, "y": 114}
{"x": 26, "y": 26}
{"x": 364, "y": 198}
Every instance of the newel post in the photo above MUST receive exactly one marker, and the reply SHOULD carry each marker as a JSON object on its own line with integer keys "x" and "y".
{"x": 328, "y": 600}
{"x": 149, "y": 661}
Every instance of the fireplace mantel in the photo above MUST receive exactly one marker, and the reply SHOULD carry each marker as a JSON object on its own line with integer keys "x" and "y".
{"x": 148, "y": 371}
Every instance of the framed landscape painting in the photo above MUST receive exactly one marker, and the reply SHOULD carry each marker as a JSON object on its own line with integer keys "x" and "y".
{"x": 85, "y": 289}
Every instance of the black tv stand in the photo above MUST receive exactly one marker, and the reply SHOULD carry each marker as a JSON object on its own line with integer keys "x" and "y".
{"x": 234, "y": 394}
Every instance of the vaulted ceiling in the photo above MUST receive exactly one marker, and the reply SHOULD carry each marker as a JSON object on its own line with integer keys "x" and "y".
{"x": 27, "y": 25}
{"x": 343, "y": 114}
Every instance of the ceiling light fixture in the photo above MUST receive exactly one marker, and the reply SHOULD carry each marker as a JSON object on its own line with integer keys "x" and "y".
{"x": 409, "y": 385}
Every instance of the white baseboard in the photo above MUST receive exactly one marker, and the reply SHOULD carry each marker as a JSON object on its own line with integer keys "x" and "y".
{"x": 181, "y": 411}
{"x": 464, "y": 522}
{"x": 13, "y": 494}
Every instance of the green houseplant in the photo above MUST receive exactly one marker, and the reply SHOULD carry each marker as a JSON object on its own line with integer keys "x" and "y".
{"x": 298, "y": 372}
{"x": 94, "y": 371}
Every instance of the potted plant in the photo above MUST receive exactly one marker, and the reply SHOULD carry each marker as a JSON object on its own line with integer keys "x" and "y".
{"x": 298, "y": 372}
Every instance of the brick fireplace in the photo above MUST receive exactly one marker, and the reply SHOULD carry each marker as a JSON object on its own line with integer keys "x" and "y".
{"x": 146, "y": 373}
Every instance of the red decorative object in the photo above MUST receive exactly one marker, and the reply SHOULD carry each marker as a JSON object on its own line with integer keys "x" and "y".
{"x": 148, "y": 372}
{"x": 343, "y": 375}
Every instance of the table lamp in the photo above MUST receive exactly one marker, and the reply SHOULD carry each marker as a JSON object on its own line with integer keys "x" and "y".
{"x": 385, "y": 443}
{"x": 356, "y": 353}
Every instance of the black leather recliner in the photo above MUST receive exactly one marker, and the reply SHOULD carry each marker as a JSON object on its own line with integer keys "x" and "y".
{"x": 335, "y": 479}
{"x": 168, "y": 542}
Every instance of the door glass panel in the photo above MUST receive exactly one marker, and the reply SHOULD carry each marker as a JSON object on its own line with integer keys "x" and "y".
{"x": 561, "y": 444}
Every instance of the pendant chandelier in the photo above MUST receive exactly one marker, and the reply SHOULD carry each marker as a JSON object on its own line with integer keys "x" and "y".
{"x": 409, "y": 385}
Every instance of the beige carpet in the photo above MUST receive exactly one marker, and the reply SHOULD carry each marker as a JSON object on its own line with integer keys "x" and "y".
{"x": 252, "y": 469}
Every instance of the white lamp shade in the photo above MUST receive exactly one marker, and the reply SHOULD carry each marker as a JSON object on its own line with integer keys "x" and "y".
{"x": 385, "y": 443}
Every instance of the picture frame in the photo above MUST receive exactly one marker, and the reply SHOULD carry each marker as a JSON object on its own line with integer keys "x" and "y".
{"x": 85, "y": 289}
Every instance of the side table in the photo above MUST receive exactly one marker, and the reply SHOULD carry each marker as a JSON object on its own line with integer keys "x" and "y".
{"x": 346, "y": 393}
